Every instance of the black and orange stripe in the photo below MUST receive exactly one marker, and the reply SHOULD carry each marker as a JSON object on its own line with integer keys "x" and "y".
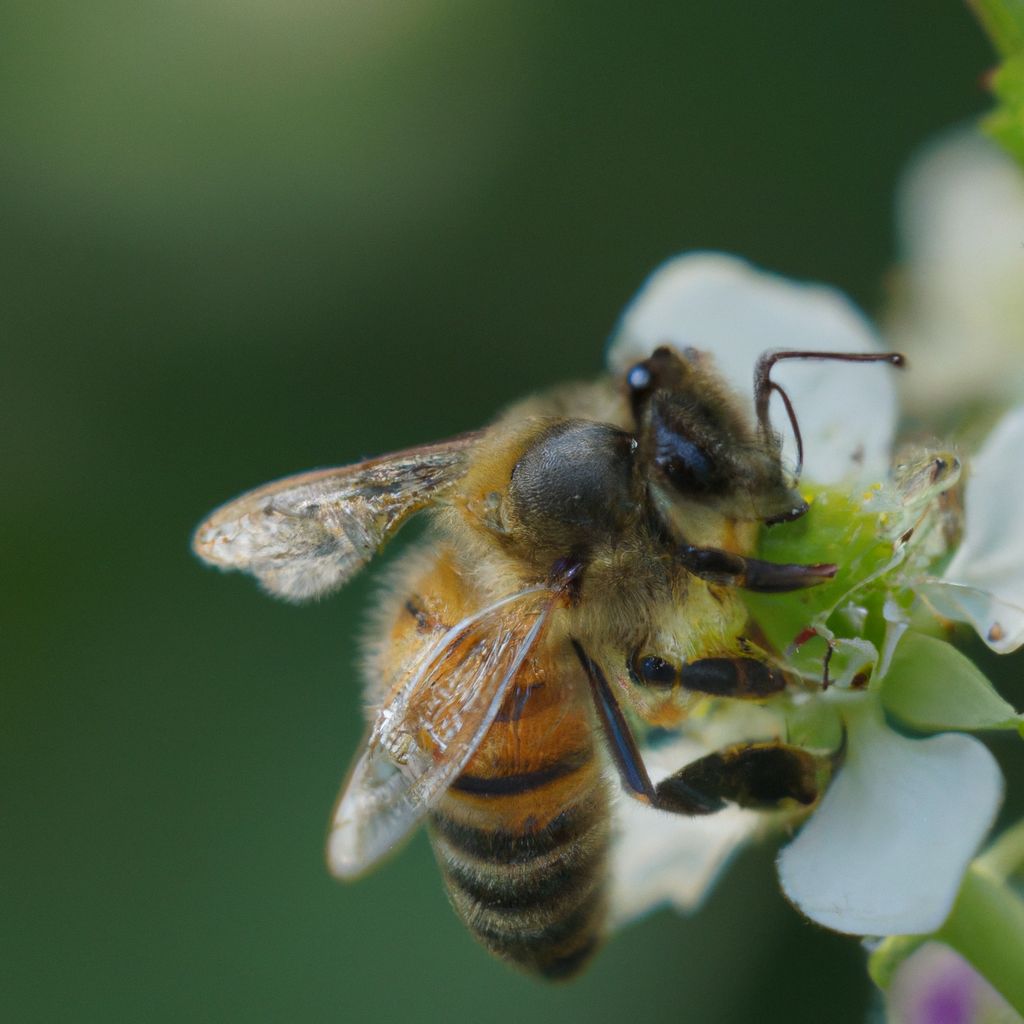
{"x": 522, "y": 834}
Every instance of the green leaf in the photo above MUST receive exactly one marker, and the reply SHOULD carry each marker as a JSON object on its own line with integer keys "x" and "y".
{"x": 835, "y": 529}
{"x": 931, "y": 685}
{"x": 1006, "y": 123}
{"x": 1003, "y": 20}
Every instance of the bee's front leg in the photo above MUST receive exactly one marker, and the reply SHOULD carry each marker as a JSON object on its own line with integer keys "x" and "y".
{"x": 752, "y": 775}
{"x": 732, "y": 570}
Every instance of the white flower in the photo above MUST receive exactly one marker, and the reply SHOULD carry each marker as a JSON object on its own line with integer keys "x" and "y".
{"x": 885, "y": 850}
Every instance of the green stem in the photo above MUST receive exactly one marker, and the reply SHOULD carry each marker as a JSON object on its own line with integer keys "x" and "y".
{"x": 1005, "y": 857}
{"x": 889, "y": 954}
{"x": 986, "y": 927}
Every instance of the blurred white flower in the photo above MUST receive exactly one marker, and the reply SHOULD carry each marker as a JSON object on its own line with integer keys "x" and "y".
{"x": 886, "y": 848}
{"x": 960, "y": 287}
{"x": 959, "y": 315}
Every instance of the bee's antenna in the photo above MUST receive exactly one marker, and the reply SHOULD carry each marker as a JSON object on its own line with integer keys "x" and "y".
{"x": 764, "y": 386}
{"x": 791, "y": 413}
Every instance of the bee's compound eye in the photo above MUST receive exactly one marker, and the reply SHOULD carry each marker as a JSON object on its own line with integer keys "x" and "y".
{"x": 650, "y": 670}
{"x": 573, "y": 486}
{"x": 944, "y": 467}
{"x": 686, "y": 464}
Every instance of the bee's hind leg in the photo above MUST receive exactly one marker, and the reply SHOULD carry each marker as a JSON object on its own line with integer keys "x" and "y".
{"x": 755, "y": 775}
{"x": 626, "y": 754}
{"x": 752, "y": 775}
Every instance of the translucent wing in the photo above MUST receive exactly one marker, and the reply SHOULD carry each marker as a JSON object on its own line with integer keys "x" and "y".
{"x": 431, "y": 725}
{"x": 306, "y": 535}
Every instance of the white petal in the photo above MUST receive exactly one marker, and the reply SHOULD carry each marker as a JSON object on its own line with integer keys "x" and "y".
{"x": 984, "y": 583}
{"x": 886, "y": 850}
{"x": 723, "y": 305}
{"x": 960, "y": 307}
{"x": 667, "y": 859}
{"x": 999, "y": 623}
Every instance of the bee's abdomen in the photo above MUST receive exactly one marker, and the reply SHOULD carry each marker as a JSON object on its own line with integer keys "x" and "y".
{"x": 522, "y": 840}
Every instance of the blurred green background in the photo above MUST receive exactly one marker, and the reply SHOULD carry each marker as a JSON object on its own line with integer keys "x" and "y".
{"x": 243, "y": 239}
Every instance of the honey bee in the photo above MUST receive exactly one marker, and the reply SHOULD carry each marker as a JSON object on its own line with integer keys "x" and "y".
{"x": 583, "y": 573}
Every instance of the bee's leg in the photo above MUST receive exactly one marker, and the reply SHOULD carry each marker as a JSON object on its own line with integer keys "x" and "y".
{"x": 732, "y": 677}
{"x": 732, "y": 570}
{"x": 725, "y": 676}
{"x": 756, "y": 775}
{"x": 681, "y": 798}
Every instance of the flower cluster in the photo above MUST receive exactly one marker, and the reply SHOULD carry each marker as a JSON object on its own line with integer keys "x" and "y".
{"x": 922, "y": 538}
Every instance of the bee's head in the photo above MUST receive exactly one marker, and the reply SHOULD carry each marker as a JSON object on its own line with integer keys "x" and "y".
{"x": 701, "y": 450}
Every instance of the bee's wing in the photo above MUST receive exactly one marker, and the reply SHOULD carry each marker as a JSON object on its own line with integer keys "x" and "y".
{"x": 431, "y": 725}
{"x": 304, "y": 536}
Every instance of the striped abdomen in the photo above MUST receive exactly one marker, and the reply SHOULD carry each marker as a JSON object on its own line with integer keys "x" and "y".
{"x": 522, "y": 834}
